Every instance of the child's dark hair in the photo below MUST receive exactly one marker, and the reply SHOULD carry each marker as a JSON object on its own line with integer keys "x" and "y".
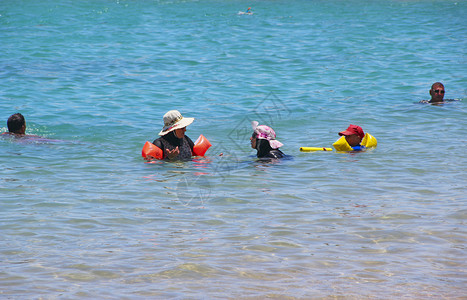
{"x": 15, "y": 123}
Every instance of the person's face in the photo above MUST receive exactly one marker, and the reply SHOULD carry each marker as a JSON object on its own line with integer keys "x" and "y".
{"x": 353, "y": 140}
{"x": 180, "y": 133}
{"x": 437, "y": 94}
{"x": 253, "y": 142}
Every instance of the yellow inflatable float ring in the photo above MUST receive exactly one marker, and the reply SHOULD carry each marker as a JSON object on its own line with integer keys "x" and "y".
{"x": 368, "y": 141}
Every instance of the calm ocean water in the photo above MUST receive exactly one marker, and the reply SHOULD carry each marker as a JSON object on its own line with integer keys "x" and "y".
{"x": 83, "y": 216}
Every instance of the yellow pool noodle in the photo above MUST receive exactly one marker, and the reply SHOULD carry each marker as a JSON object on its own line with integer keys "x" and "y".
{"x": 310, "y": 149}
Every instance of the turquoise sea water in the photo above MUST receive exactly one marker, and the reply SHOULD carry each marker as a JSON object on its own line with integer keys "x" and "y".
{"x": 83, "y": 216}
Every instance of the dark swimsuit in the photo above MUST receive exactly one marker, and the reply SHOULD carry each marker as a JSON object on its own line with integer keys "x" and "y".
{"x": 171, "y": 141}
{"x": 441, "y": 102}
{"x": 265, "y": 150}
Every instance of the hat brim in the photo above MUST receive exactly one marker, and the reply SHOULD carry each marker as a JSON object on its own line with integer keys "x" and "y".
{"x": 275, "y": 144}
{"x": 184, "y": 122}
{"x": 346, "y": 132}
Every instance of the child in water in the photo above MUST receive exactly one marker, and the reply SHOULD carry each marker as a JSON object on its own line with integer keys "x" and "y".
{"x": 354, "y": 135}
{"x": 264, "y": 141}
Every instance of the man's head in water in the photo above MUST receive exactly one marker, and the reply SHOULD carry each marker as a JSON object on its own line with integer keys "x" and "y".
{"x": 437, "y": 92}
{"x": 16, "y": 124}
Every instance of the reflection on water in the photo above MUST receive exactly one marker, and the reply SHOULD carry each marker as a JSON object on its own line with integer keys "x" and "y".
{"x": 29, "y": 139}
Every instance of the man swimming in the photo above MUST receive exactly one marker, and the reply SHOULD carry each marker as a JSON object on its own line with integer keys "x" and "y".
{"x": 437, "y": 93}
{"x": 16, "y": 125}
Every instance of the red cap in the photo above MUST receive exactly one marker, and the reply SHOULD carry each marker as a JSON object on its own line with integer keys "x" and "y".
{"x": 353, "y": 129}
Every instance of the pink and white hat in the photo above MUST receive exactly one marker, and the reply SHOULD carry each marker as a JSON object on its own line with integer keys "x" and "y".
{"x": 264, "y": 132}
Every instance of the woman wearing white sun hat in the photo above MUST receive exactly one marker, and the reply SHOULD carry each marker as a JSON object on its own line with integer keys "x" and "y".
{"x": 173, "y": 141}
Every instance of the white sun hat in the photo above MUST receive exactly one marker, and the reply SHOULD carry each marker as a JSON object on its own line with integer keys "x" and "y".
{"x": 174, "y": 120}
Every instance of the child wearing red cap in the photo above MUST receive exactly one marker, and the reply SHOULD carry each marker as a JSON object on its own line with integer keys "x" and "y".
{"x": 354, "y": 135}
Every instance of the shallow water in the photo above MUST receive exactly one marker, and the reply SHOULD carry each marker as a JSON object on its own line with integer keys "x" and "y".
{"x": 83, "y": 216}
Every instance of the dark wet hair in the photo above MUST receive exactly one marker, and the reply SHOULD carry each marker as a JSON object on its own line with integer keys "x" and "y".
{"x": 263, "y": 147}
{"x": 15, "y": 123}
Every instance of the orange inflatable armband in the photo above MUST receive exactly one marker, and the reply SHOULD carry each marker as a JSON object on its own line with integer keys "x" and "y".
{"x": 149, "y": 149}
{"x": 201, "y": 146}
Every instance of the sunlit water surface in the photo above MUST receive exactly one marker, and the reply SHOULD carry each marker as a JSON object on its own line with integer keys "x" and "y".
{"x": 83, "y": 216}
